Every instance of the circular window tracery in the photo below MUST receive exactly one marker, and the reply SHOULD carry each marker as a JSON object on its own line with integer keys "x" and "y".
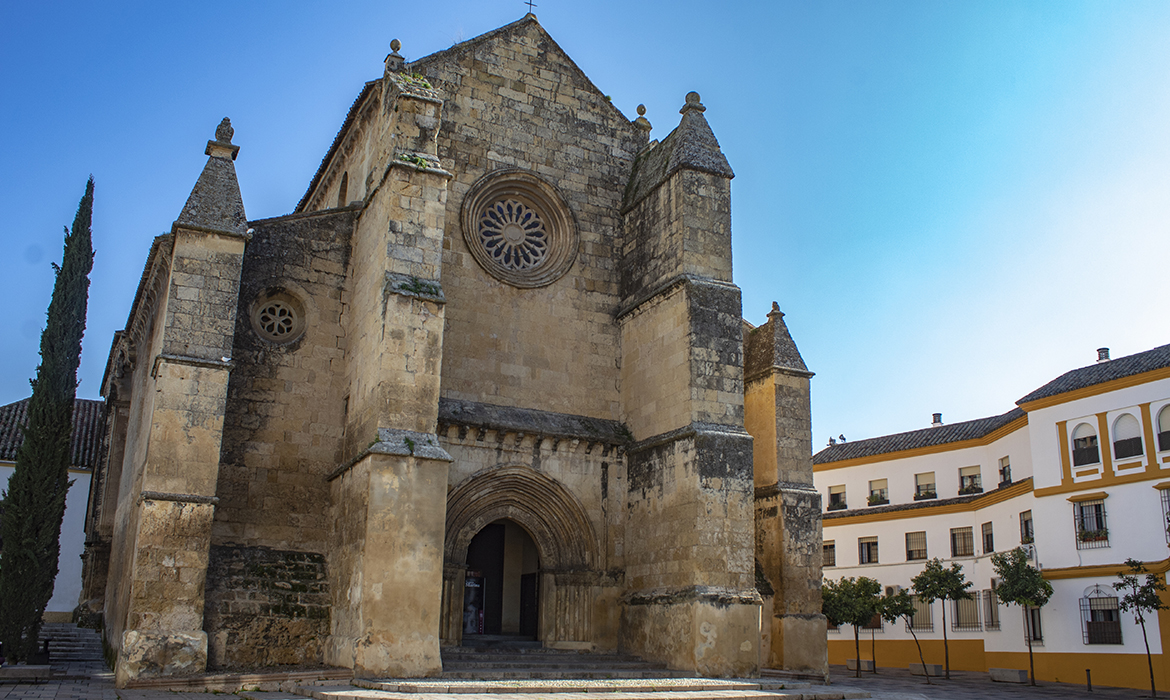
{"x": 519, "y": 229}
{"x": 278, "y": 317}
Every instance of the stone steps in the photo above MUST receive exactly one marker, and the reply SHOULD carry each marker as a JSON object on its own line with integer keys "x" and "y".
{"x": 550, "y": 664}
{"x": 68, "y": 642}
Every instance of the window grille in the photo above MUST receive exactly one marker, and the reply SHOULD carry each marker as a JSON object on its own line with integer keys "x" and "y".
{"x": 916, "y": 545}
{"x": 988, "y": 539}
{"x": 1032, "y": 626}
{"x": 990, "y": 610}
{"x": 1027, "y": 536}
{"x": 966, "y": 615}
{"x": 829, "y": 554}
{"x": 922, "y": 621}
{"x": 962, "y": 542}
{"x": 875, "y": 623}
{"x": 1100, "y": 618}
{"x": 1005, "y": 471}
{"x": 867, "y": 550}
{"x": 1165, "y": 512}
{"x": 1090, "y": 527}
{"x": 834, "y": 629}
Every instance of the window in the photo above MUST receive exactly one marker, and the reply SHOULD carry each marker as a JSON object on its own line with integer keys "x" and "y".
{"x": 875, "y": 623}
{"x": 1085, "y": 446}
{"x": 962, "y": 542}
{"x": 834, "y": 628}
{"x": 988, "y": 539}
{"x": 879, "y": 492}
{"x": 1032, "y": 628}
{"x": 1027, "y": 536}
{"x": 924, "y": 486}
{"x": 1100, "y": 618}
{"x": 1005, "y": 472}
{"x": 970, "y": 481}
{"x": 343, "y": 190}
{"x": 1089, "y": 520}
{"x": 1165, "y": 512}
{"x": 1127, "y": 437}
{"x": 966, "y": 615}
{"x": 922, "y": 620}
{"x": 837, "y": 497}
{"x": 990, "y": 609}
{"x": 829, "y": 554}
{"x": 915, "y": 546}
{"x": 867, "y": 550}
{"x": 1164, "y": 428}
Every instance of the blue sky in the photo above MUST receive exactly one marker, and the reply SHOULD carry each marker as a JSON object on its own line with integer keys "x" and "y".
{"x": 953, "y": 202}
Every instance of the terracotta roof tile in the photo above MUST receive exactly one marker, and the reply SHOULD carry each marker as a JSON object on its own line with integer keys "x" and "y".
{"x": 927, "y": 437}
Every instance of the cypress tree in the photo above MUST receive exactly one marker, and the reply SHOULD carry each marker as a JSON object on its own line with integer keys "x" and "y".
{"x": 34, "y": 503}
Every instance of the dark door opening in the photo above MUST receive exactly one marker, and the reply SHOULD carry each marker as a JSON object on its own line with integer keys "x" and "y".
{"x": 502, "y": 589}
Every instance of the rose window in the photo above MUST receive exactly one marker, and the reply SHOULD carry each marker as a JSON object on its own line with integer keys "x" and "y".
{"x": 519, "y": 229}
{"x": 276, "y": 319}
{"x": 513, "y": 235}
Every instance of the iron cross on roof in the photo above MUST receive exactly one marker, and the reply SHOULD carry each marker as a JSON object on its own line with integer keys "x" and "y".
{"x": 530, "y": 5}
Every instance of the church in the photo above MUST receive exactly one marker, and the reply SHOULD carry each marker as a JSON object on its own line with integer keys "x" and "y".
{"x": 489, "y": 379}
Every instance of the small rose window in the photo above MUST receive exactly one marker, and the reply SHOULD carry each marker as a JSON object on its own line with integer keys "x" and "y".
{"x": 278, "y": 317}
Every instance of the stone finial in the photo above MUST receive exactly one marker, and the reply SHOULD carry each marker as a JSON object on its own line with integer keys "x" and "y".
{"x": 775, "y": 311}
{"x": 692, "y": 103}
{"x": 222, "y": 146}
{"x": 642, "y": 122}
{"x": 224, "y": 132}
{"x": 394, "y": 61}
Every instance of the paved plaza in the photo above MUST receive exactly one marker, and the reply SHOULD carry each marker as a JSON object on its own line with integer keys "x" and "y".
{"x": 91, "y": 681}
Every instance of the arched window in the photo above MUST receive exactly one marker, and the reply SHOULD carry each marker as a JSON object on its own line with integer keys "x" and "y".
{"x": 1127, "y": 437}
{"x": 1100, "y": 618}
{"x": 1085, "y": 445}
{"x": 343, "y": 190}
{"x": 1164, "y": 428}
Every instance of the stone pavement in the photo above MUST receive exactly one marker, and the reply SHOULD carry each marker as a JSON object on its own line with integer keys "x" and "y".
{"x": 898, "y": 684}
{"x": 888, "y": 684}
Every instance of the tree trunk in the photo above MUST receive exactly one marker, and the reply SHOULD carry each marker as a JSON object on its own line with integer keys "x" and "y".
{"x": 873, "y": 649}
{"x": 920, "y": 657}
{"x": 946, "y": 647}
{"x": 857, "y": 647}
{"x": 1028, "y": 635}
{"x": 1149, "y": 659}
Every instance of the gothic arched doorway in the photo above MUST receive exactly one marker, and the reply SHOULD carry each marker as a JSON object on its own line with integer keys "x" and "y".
{"x": 562, "y": 539}
{"x": 501, "y": 586}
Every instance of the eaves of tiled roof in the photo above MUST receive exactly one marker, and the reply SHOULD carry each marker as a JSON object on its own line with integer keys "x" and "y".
{"x": 88, "y": 416}
{"x": 1122, "y": 367}
{"x": 915, "y": 439}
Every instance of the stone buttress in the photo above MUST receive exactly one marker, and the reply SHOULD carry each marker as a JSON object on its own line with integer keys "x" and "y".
{"x": 389, "y": 497}
{"x": 787, "y": 507}
{"x": 172, "y": 365}
{"x": 690, "y": 573}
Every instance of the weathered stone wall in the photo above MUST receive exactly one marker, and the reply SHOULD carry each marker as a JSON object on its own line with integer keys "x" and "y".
{"x": 516, "y": 100}
{"x": 265, "y": 607}
{"x": 285, "y": 411}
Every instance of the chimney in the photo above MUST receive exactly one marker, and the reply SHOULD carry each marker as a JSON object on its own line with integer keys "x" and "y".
{"x": 1102, "y": 354}
{"x": 937, "y": 420}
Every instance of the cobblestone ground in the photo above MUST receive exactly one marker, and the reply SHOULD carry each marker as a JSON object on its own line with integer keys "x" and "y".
{"x": 898, "y": 684}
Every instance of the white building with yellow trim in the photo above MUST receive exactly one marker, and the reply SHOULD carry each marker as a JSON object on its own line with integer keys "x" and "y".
{"x": 1078, "y": 472}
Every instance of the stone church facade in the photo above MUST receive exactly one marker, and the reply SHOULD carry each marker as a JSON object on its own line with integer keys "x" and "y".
{"x": 490, "y": 377}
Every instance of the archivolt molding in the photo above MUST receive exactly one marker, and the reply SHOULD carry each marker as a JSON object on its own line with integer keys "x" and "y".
{"x": 551, "y": 515}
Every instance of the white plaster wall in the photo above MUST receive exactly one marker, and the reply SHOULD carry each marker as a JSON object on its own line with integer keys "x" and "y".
{"x": 67, "y": 588}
